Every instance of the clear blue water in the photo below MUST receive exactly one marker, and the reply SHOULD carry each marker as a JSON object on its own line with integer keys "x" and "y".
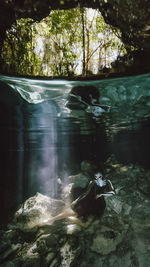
{"x": 42, "y": 140}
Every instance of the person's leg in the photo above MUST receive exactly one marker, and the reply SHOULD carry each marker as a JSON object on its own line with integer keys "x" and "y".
{"x": 70, "y": 215}
{"x": 68, "y": 212}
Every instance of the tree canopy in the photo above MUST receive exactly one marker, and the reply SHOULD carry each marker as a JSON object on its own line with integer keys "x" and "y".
{"x": 65, "y": 43}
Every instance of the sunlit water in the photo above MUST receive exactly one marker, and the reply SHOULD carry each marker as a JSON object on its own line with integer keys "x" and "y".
{"x": 43, "y": 141}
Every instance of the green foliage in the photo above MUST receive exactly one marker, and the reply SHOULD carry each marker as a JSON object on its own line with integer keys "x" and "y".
{"x": 53, "y": 47}
{"x": 18, "y": 48}
{"x": 62, "y": 41}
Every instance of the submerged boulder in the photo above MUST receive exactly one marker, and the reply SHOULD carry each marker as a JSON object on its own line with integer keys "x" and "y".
{"x": 119, "y": 238}
{"x": 35, "y": 210}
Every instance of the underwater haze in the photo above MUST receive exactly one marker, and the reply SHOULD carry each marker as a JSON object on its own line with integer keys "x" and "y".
{"x": 42, "y": 141}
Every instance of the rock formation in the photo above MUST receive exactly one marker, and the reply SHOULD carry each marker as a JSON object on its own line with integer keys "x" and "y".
{"x": 120, "y": 238}
{"x": 132, "y": 17}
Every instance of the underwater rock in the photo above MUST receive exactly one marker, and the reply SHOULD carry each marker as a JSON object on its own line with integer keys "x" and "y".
{"x": 45, "y": 242}
{"x": 77, "y": 183}
{"x": 4, "y": 245}
{"x": 67, "y": 255}
{"x": 9, "y": 251}
{"x": 141, "y": 233}
{"x": 88, "y": 168}
{"x": 35, "y": 210}
{"x": 34, "y": 262}
{"x": 106, "y": 240}
{"x": 49, "y": 258}
{"x": 121, "y": 237}
{"x": 8, "y": 264}
{"x": 123, "y": 261}
{"x": 66, "y": 192}
{"x": 116, "y": 204}
{"x": 79, "y": 180}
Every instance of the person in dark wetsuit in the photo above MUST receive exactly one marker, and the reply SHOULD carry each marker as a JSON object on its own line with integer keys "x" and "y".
{"x": 92, "y": 202}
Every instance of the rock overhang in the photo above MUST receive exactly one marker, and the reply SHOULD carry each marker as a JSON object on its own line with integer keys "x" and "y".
{"x": 132, "y": 17}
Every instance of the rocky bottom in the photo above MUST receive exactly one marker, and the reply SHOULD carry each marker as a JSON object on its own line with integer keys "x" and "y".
{"x": 121, "y": 237}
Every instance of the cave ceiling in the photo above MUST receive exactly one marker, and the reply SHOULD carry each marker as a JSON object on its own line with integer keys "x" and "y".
{"x": 132, "y": 17}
